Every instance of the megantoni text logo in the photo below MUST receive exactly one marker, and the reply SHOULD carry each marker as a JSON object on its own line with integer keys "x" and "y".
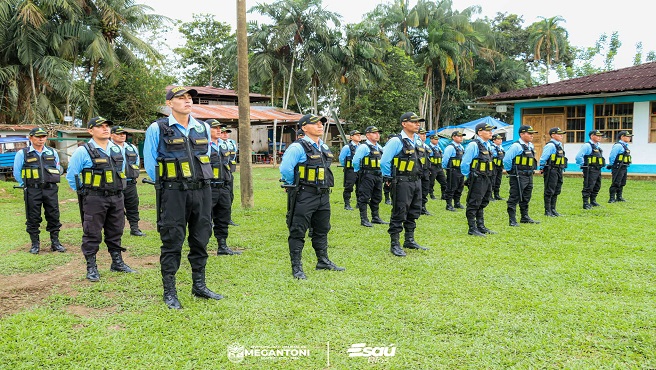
{"x": 373, "y": 354}
{"x": 237, "y": 353}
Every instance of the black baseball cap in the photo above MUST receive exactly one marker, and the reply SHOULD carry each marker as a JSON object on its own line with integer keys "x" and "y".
{"x": 213, "y": 123}
{"x": 411, "y": 117}
{"x": 224, "y": 128}
{"x": 300, "y": 132}
{"x": 311, "y": 119}
{"x": 457, "y": 133}
{"x": 527, "y": 129}
{"x": 118, "y": 130}
{"x": 497, "y": 136}
{"x": 556, "y": 130}
{"x": 596, "y": 133}
{"x": 38, "y": 131}
{"x": 370, "y": 129}
{"x": 435, "y": 136}
{"x": 624, "y": 133}
{"x": 179, "y": 91}
{"x": 484, "y": 127}
{"x": 354, "y": 132}
{"x": 99, "y": 121}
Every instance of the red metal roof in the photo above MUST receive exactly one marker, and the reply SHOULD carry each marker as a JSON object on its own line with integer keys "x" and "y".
{"x": 231, "y": 113}
{"x": 210, "y": 90}
{"x": 636, "y": 78}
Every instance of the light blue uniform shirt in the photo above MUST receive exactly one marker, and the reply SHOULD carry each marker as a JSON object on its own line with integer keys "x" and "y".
{"x": 292, "y": 156}
{"x": 361, "y": 152}
{"x": 81, "y": 160}
{"x": 431, "y": 146}
{"x": 548, "y": 150}
{"x": 345, "y": 152}
{"x": 19, "y": 160}
{"x": 617, "y": 149}
{"x": 471, "y": 152}
{"x": 123, "y": 149}
{"x": 152, "y": 140}
{"x": 514, "y": 150}
{"x": 450, "y": 152}
{"x": 391, "y": 149}
{"x": 586, "y": 149}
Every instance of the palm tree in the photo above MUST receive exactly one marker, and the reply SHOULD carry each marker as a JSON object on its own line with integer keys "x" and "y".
{"x": 548, "y": 39}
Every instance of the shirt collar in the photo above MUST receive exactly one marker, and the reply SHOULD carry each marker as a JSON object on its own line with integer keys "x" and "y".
{"x": 312, "y": 142}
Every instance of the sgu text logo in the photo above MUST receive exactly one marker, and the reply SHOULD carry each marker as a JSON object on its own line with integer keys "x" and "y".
{"x": 361, "y": 350}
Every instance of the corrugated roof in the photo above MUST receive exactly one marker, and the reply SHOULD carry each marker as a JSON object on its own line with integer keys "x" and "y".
{"x": 231, "y": 113}
{"x": 636, "y": 78}
{"x": 210, "y": 90}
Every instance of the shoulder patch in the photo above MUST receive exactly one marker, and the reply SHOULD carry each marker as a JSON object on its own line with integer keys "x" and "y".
{"x": 200, "y": 128}
{"x": 325, "y": 146}
{"x": 129, "y": 147}
{"x": 47, "y": 151}
{"x": 115, "y": 149}
{"x": 224, "y": 146}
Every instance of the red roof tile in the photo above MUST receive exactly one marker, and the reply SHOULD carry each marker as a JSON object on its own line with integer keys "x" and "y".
{"x": 210, "y": 90}
{"x": 636, "y": 78}
{"x": 231, "y": 113}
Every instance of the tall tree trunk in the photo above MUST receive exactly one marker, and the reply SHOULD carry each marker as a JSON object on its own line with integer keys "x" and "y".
{"x": 36, "y": 99}
{"x": 246, "y": 177}
{"x": 92, "y": 90}
{"x": 442, "y": 89}
{"x": 289, "y": 87}
{"x": 273, "y": 93}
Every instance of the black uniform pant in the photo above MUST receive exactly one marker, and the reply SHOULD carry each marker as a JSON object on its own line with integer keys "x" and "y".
{"x": 311, "y": 210}
{"x": 425, "y": 186}
{"x": 370, "y": 191}
{"x": 455, "y": 183}
{"x": 221, "y": 209}
{"x": 521, "y": 183}
{"x": 350, "y": 178}
{"x": 131, "y": 200}
{"x": 232, "y": 189}
{"x": 437, "y": 173}
{"x": 553, "y": 181}
{"x": 181, "y": 209}
{"x": 406, "y": 205}
{"x": 478, "y": 197}
{"x": 618, "y": 179}
{"x": 102, "y": 214}
{"x": 591, "y": 182}
{"x": 49, "y": 200}
{"x": 495, "y": 179}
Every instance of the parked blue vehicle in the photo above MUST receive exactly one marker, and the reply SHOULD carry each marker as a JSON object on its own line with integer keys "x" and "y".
{"x": 8, "y": 148}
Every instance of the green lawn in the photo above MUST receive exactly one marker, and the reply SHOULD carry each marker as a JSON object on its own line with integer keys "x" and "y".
{"x": 572, "y": 292}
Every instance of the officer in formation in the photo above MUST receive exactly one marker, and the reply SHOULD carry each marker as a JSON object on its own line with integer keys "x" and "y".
{"x": 232, "y": 151}
{"x": 95, "y": 171}
{"x": 619, "y": 161}
{"x": 436, "y": 170}
{"x": 366, "y": 164}
{"x": 552, "y": 164}
{"x": 346, "y": 161}
{"x": 591, "y": 159}
{"x": 497, "y": 158}
{"x": 455, "y": 182}
{"x": 131, "y": 163}
{"x": 306, "y": 175}
{"x": 478, "y": 167}
{"x": 220, "y": 184}
{"x": 299, "y": 134}
{"x": 401, "y": 168}
{"x": 177, "y": 156}
{"x": 37, "y": 170}
{"x": 386, "y": 186}
{"x": 424, "y": 158}
{"x": 520, "y": 162}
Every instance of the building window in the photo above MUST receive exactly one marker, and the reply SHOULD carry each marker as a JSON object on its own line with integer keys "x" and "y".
{"x": 613, "y": 118}
{"x": 652, "y": 123}
{"x": 575, "y": 116}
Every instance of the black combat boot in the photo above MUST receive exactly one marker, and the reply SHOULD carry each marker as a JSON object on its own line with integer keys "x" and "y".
{"x": 364, "y": 218}
{"x": 547, "y": 207}
{"x": 323, "y": 263}
{"x": 410, "y": 242}
{"x": 432, "y": 196}
{"x": 199, "y": 289}
{"x": 554, "y": 199}
{"x": 457, "y": 204}
{"x": 92, "y": 268}
{"x": 612, "y": 198}
{"x": 232, "y": 223}
{"x": 387, "y": 198}
{"x": 170, "y": 293}
{"x": 118, "y": 264}
{"x": 480, "y": 224}
{"x": 297, "y": 265}
{"x": 593, "y": 201}
{"x": 375, "y": 219}
{"x": 473, "y": 228}
{"x": 526, "y": 219}
{"x": 134, "y": 230}
{"x": 424, "y": 211}
{"x": 512, "y": 214}
{"x": 586, "y": 203}
{"x": 347, "y": 204}
{"x": 36, "y": 244}
{"x": 497, "y": 196}
{"x": 449, "y": 205}
{"x": 224, "y": 250}
{"x": 395, "y": 246}
{"x": 619, "y": 195}
{"x": 55, "y": 245}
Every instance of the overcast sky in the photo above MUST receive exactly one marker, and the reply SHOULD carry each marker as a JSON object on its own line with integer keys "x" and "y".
{"x": 585, "y": 21}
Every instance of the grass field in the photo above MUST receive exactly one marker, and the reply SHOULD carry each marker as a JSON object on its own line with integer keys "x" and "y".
{"x": 572, "y": 292}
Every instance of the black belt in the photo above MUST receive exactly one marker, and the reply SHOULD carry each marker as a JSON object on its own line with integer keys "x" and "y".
{"x": 522, "y": 172}
{"x": 131, "y": 181}
{"x": 371, "y": 172}
{"x": 103, "y": 193}
{"x": 407, "y": 178}
{"x": 186, "y": 185}
{"x": 314, "y": 190}
{"x": 48, "y": 185}
{"x": 219, "y": 184}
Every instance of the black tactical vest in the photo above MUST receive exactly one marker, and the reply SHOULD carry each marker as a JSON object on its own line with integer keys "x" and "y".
{"x": 371, "y": 161}
{"x": 596, "y": 158}
{"x": 623, "y": 158}
{"x": 454, "y": 162}
{"x": 407, "y": 161}
{"x": 436, "y": 159}
{"x": 348, "y": 161}
{"x": 498, "y": 160}
{"x": 315, "y": 171}
{"x": 557, "y": 159}
{"x": 183, "y": 158}
{"x": 106, "y": 173}
{"x": 525, "y": 161}
{"x": 131, "y": 161}
{"x": 482, "y": 164}
{"x": 40, "y": 169}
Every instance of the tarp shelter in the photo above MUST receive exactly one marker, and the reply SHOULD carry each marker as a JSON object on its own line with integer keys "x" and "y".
{"x": 469, "y": 133}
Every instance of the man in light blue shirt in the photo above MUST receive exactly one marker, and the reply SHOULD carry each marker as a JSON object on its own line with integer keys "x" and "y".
{"x": 366, "y": 163}
{"x": 552, "y": 164}
{"x": 591, "y": 159}
{"x": 455, "y": 181}
{"x": 520, "y": 162}
{"x": 346, "y": 161}
{"x": 619, "y": 162}
{"x": 131, "y": 166}
{"x": 37, "y": 170}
